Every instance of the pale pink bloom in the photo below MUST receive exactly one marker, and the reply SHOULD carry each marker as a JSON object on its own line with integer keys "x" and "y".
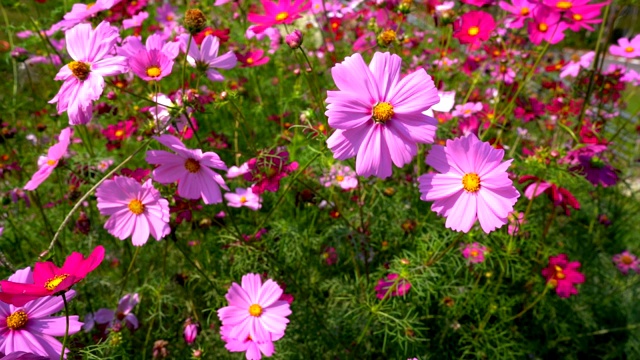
{"x": 626, "y": 261}
{"x": 132, "y": 45}
{"x": 626, "y": 48}
{"x": 104, "y": 165}
{"x": 30, "y": 327}
{"x": 255, "y": 310}
{"x": 577, "y": 62}
{"x": 467, "y": 109}
{"x": 447, "y": 100}
{"x": 472, "y": 184}
{"x": 244, "y": 197}
{"x": 377, "y": 114}
{"x": 193, "y": 170}
{"x": 631, "y": 76}
{"x": 341, "y": 176}
{"x": 445, "y": 62}
{"x": 504, "y": 73}
{"x": 206, "y": 57}
{"x": 81, "y": 12}
{"x": 474, "y": 252}
{"x": 84, "y": 76}
{"x": 520, "y": 11}
{"x": 253, "y": 349}
{"x": 48, "y": 163}
{"x": 136, "y": 20}
{"x": 236, "y": 171}
{"x": 135, "y": 210}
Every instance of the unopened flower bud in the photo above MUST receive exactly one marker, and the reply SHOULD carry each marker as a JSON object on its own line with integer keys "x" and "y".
{"x": 190, "y": 331}
{"x": 194, "y": 21}
{"x": 294, "y": 40}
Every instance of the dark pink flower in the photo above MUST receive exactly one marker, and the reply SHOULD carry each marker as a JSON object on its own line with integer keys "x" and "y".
{"x": 626, "y": 261}
{"x": 252, "y": 58}
{"x": 563, "y": 275}
{"x": 474, "y": 253}
{"x": 284, "y": 12}
{"x": 268, "y": 169}
{"x": 474, "y": 26}
{"x": 394, "y": 285}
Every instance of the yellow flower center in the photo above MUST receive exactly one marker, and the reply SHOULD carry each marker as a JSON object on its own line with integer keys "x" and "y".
{"x": 250, "y": 61}
{"x": 474, "y": 253}
{"x": 255, "y": 310}
{"x": 192, "y": 165}
{"x": 628, "y": 49}
{"x": 51, "y": 162}
{"x": 119, "y": 133}
{"x": 543, "y": 27}
{"x": 473, "y": 31}
{"x": 243, "y": 199}
{"x": 136, "y": 206}
{"x": 282, "y": 16}
{"x": 53, "y": 283}
{"x": 471, "y": 182}
{"x": 339, "y": 178}
{"x": 564, "y": 5}
{"x": 626, "y": 259}
{"x": 169, "y": 17}
{"x": 17, "y": 320}
{"x": 153, "y": 71}
{"x": 79, "y": 69}
{"x": 382, "y": 112}
{"x": 524, "y": 11}
{"x": 575, "y": 58}
{"x": 577, "y": 17}
{"x": 559, "y": 274}
{"x": 387, "y": 37}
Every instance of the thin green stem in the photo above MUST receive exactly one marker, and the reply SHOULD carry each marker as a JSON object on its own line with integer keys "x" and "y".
{"x": 126, "y": 275}
{"x": 66, "y": 331}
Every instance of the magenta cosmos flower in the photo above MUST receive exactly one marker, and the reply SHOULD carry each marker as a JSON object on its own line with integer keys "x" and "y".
{"x": 392, "y": 285}
{"x": 30, "y": 327}
{"x": 244, "y": 197}
{"x": 48, "y": 163}
{"x": 626, "y": 48}
{"x": 474, "y": 252}
{"x": 48, "y": 279}
{"x": 193, "y": 170}
{"x": 135, "y": 210}
{"x": 472, "y": 184}
{"x": 284, "y": 12}
{"x": 379, "y": 115}
{"x": 206, "y": 57}
{"x": 255, "y": 309}
{"x": 546, "y": 25}
{"x": 563, "y": 275}
{"x": 153, "y": 61}
{"x": 84, "y": 76}
{"x": 474, "y": 26}
{"x": 253, "y": 349}
{"x": 626, "y": 261}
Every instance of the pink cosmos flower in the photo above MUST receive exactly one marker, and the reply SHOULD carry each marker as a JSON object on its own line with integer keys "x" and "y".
{"x": 153, "y": 61}
{"x": 577, "y": 62}
{"x": 626, "y": 261}
{"x": 560, "y": 196}
{"x": 284, "y": 12}
{"x": 206, "y": 57}
{"x": 268, "y": 169}
{"x": 81, "y": 12}
{"x": 467, "y": 109}
{"x": 473, "y": 27}
{"x": 379, "y": 115}
{"x": 190, "y": 331}
{"x": 254, "y": 349}
{"x": 583, "y": 16}
{"x": 473, "y": 184}
{"x": 546, "y": 25}
{"x": 563, "y": 275}
{"x": 253, "y": 58}
{"x": 626, "y": 48}
{"x": 135, "y": 210}
{"x": 394, "y": 285}
{"x": 244, "y": 197}
{"x": 48, "y": 279}
{"x": 193, "y": 170}
{"x": 135, "y": 21}
{"x": 516, "y": 220}
{"x": 254, "y": 310}
{"x": 330, "y": 255}
{"x": 520, "y": 11}
{"x": 30, "y": 326}
{"x": 341, "y": 176}
{"x": 112, "y": 318}
{"x": 48, "y": 163}
{"x": 474, "y": 252}
{"x": 84, "y": 76}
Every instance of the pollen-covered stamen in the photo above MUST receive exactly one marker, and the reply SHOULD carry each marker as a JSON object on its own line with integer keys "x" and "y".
{"x": 339, "y": 178}
{"x": 52, "y": 162}
{"x": 192, "y": 165}
{"x": 136, "y": 206}
{"x": 564, "y": 5}
{"x": 387, "y": 37}
{"x": 559, "y": 274}
{"x": 382, "y": 112}
{"x": 626, "y": 259}
{"x": 249, "y": 61}
{"x": 282, "y": 16}
{"x": 543, "y": 27}
{"x": 471, "y": 182}
{"x": 524, "y": 11}
{"x": 17, "y": 320}
{"x": 154, "y": 71}
{"x": 243, "y": 199}
{"x": 80, "y": 69}
{"x": 119, "y": 133}
{"x": 53, "y": 283}
{"x": 628, "y": 49}
{"x": 474, "y": 253}
{"x": 473, "y": 31}
{"x": 255, "y": 310}
{"x": 577, "y": 17}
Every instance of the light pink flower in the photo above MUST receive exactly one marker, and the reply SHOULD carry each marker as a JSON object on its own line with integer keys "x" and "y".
{"x": 254, "y": 310}
{"x": 193, "y": 170}
{"x": 626, "y": 48}
{"x": 135, "y": 210}
{"x": 84, "y": 76}
{"x": 474, "y": 252}
{"x": 135, "y": 21}
{"x": 81, "y": 12}
{"x": 467, "y": 109}
{"x": 30, "y": 327}
{"x": 379, "y": 115}
{"x": 626, "y": 261}
{"x": 244, "y": 197}
{"x": 520, "y": 11}
{"x": 48, "y": 163}
{"x": 341, "y": 176}
{"x": 253, "y": 349}
{"x": 577, "y": 62}
{"x": 472, "y": 184}
{"x": 206, "y": 57}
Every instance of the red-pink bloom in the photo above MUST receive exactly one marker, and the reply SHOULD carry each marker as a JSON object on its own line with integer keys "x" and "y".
{"x": 394, "y": 285}
{"x": 268, "y": 169}
{"x": 253, "y": 58}
{"x": 626, "y": 261}
{"x": 120, "y": 131}
{"x": 48, "y": 163}
{"x": 546, "y": 25}
{"x": 378, "y": 114}
{"x": 330, "y": 255}
{"x": 193, "y": 170}
{"x": 560, "y": 196}
{"x": 48, "y": 279}
{"x": 84, "y": 76}
{"x": 284, "y": 12}
{"x": 474, "y": 252}
{"x": 135, "y": 210}
{"x": 563, "y": 275}
{"x": 190, "y": 331}
{"x": 474, "y": 26}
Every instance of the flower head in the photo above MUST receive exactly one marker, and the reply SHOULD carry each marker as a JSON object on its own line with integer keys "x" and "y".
{"x": 284, "y": 12}
{"x": 340, "y": 175}
{"x": 626, "y": 48}
{"x": 268, "y": 169}
{"x": 474, "y": 27}
{"x": 123, "y": 314}
{"x": 206, "y": 57}
{"x": 49, "y": 162}
{"x": 393, "y": 285}
{"x": 563, "y": 275}
{"x": 244, "y": 197}
{"x": 626, "y": 261}
{"x": 474, "y": 252}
